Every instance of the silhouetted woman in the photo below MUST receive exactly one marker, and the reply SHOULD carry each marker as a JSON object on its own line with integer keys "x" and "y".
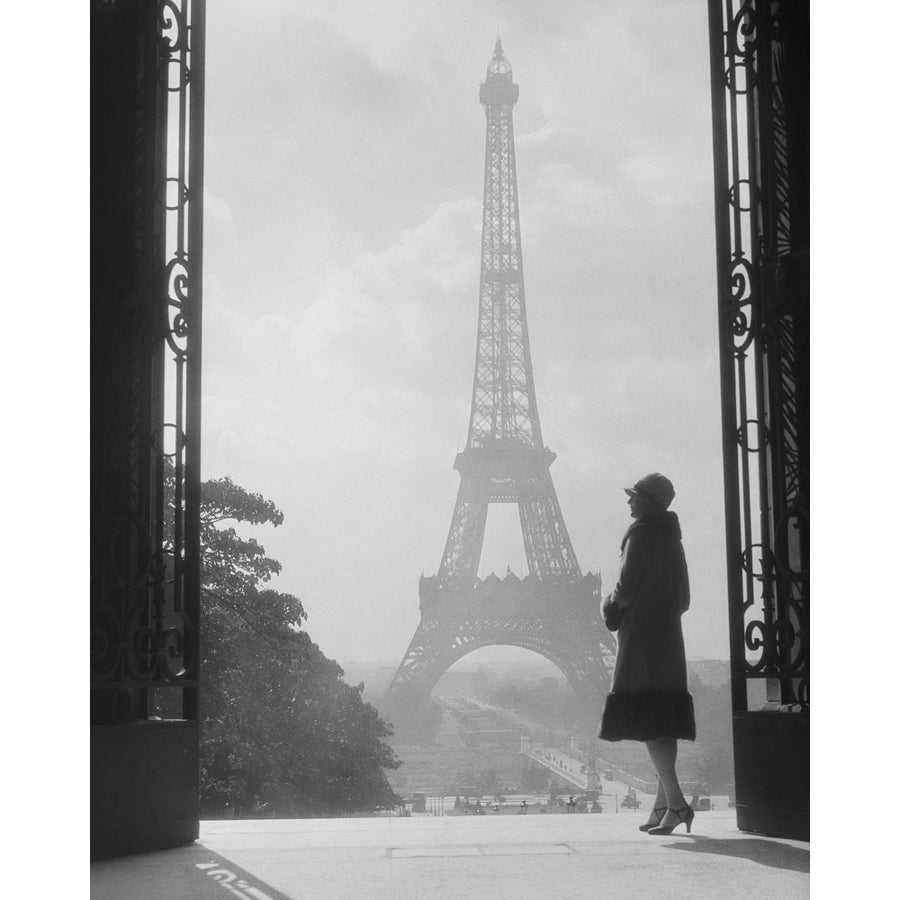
{"x": 649, "y": 700}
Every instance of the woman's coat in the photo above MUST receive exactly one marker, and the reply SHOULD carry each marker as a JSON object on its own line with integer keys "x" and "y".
{"x": 649, "y": 697}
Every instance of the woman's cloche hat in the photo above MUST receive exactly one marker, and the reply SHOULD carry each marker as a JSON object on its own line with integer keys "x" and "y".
{"x": 655, "y": 487}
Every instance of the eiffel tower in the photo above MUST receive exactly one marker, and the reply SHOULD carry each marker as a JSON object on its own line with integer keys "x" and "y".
{"x": 554, "y": 610}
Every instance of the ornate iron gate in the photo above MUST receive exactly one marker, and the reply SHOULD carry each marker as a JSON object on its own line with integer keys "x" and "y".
{"x": 146, "y": 242}
{"x": 759, "y": 55}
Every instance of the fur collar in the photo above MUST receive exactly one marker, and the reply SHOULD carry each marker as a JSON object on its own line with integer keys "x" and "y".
{"x": 662, "y": 523}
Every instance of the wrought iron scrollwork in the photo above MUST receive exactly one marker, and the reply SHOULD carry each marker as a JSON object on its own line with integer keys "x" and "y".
{"x": 740, "y": 78}
{"x": 765, "y": 419}
{"x": 177, "y": 280}
{"x": 146, "y": 595}
{"x": 173, "y": 27}
{"x": 177, "y": 592}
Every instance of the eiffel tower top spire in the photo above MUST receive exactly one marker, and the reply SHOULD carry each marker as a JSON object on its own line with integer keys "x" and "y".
{"x": 504, "y": 409}
{"x": 499, "y": 64}
{"x": 498, "y": 87}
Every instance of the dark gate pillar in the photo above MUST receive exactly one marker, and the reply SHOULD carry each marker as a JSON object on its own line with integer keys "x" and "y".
{"x": 759, "y": 53}
{"x": 146, "y": 226}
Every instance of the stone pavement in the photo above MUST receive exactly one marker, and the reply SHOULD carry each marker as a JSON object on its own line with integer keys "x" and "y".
{"x": 531, "y": 856}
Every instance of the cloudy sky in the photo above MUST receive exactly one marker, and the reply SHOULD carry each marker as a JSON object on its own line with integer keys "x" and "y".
{"x": 344, "y": 172}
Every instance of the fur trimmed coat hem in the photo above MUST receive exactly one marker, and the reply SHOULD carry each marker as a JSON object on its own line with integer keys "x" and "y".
{"x": 648, "y": 715}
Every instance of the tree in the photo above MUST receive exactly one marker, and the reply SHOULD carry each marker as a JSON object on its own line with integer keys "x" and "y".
{"x": 281, "y": 731}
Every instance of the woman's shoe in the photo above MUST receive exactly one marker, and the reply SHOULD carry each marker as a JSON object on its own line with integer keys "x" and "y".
{"x": 685, "y": 816}
{"x": 659, "y": 812}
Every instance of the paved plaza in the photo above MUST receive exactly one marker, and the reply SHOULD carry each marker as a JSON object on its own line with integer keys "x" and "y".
{"x": 530, "y": 856}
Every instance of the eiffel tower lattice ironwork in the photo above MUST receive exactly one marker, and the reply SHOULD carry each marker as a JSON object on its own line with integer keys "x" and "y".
{"x": 554, "y": 610}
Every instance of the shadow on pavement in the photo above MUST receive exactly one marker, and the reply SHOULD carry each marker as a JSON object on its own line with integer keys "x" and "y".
{"x": 184, "y": 873}
{"x": 758, "y": 850}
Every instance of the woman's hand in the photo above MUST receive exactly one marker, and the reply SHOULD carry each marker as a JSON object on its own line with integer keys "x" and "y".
{"x": 612, "y": 613}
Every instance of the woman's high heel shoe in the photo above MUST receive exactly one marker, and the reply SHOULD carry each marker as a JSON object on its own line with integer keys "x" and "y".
{"x": 659, "y": 812}
{"x": 685, "y": 815}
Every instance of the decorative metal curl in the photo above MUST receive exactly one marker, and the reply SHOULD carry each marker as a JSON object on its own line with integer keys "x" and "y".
{"x": 140, "y": 657}
{"x": 755, "y": 639}
{"x": 172, "y": 650}
{"x": 786, "y": 639}
{"x": 172, "y": 27}
{"x": 743, "y": 327}
{"x": 766, "y": 564}
{"x": 177, "y": 278}
{"x": 188, "y": 645}
{"x": 177, "y": 287}
{"x": 780, "y": 645}
{"x": 793, "y": 516}
{"x": 742, "y": 279}
{"x": 742, "y": 27}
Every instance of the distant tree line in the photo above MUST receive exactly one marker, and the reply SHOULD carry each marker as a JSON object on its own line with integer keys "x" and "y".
{"x": 547, "y": 702}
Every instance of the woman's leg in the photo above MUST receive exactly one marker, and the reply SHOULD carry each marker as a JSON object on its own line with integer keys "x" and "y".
{"x": 663, "y": 752}
{"x": 659, "y": 804}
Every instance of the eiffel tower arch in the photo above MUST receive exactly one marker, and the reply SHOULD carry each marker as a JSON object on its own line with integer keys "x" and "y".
{"x": 555, "y": 609}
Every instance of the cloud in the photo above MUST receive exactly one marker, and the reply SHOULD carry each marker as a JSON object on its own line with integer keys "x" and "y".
{"x": 367, "y": 360}
{"x": 388, "y": 316}
{"x": 667, "y": 174}
{"x": 549, "y": 132}
{"x": 562, "y": 191}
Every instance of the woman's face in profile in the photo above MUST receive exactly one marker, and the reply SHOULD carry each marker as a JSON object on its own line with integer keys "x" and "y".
{"x": 638, "y": 505}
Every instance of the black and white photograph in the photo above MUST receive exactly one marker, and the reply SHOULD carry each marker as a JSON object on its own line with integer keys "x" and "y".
{"x": 449, "y": 447}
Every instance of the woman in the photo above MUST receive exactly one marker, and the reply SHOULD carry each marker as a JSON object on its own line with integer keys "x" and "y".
{"x": 649, "y": 700}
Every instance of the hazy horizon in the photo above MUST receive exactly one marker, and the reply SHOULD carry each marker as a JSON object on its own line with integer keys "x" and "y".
{"x": 468, "y": 663}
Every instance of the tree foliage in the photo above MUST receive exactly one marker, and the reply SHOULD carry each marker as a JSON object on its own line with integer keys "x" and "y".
{"x": 281, "y": 733}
